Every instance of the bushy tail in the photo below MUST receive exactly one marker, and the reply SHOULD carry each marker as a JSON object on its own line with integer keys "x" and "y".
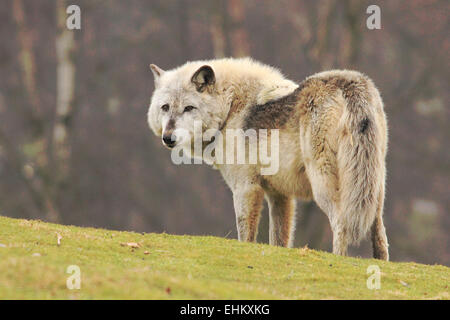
{"x": 360, "y": 163}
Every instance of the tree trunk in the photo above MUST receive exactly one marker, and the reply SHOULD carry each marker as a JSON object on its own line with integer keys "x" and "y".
{"x": 27, "y": 64}
{"x": 218, "y": 30}
{"x": 183, "y": 24}
{"x": 354, "y": 11}
{"x": 239, "y": 38}
{"x": 65, "y": 93}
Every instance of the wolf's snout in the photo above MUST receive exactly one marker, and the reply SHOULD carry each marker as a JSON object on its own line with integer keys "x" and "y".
{"x": 169, "y": 140}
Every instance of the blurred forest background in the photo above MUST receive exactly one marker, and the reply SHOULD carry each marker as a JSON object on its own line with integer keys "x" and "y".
{"x": 75, "y": 147}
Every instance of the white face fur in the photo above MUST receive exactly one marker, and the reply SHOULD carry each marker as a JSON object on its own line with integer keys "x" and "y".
{"x": 182, "y": 97}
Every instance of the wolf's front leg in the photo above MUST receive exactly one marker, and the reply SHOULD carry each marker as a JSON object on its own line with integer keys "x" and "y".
{"x": 248, "y": 203}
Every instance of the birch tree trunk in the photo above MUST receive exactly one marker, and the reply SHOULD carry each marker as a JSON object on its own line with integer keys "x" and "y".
{"x": 65, "y": 82}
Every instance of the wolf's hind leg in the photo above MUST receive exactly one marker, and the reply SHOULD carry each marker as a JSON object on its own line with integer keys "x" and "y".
{"x": 248, "y": 203}
{"x": 379, "y": 239}
{"x": 324, "y": 184}
{"x": 281, "y": 219}
{"x": 340, "y": 239}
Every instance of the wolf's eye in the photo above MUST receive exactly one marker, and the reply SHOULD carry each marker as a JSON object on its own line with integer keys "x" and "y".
{"x": 165, "y": 108}
{"x": 188, "y": 108}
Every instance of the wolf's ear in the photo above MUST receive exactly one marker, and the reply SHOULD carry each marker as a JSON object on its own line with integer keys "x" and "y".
{"x": 157, "y": 72}
{"x": 203, "y": 78}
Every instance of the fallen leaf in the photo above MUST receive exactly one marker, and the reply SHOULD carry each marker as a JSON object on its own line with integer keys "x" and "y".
{"x": 168, "y": 290}
{"x": 146, "y": 252}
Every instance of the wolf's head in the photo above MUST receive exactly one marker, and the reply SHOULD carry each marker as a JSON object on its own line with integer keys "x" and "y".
{"x": 183, "y": 97}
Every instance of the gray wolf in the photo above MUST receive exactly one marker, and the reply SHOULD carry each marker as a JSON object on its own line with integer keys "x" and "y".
{"x": 332, "y": 143}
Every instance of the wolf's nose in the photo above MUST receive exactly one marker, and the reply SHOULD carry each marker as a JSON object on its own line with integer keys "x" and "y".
{"x": 169, "y": 140}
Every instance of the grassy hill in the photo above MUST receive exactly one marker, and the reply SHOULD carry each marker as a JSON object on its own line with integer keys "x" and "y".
{"x": 127, "y": 265}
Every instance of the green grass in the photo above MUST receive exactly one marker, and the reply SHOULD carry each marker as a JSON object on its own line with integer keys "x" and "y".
{"x": 33, "y": 266}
